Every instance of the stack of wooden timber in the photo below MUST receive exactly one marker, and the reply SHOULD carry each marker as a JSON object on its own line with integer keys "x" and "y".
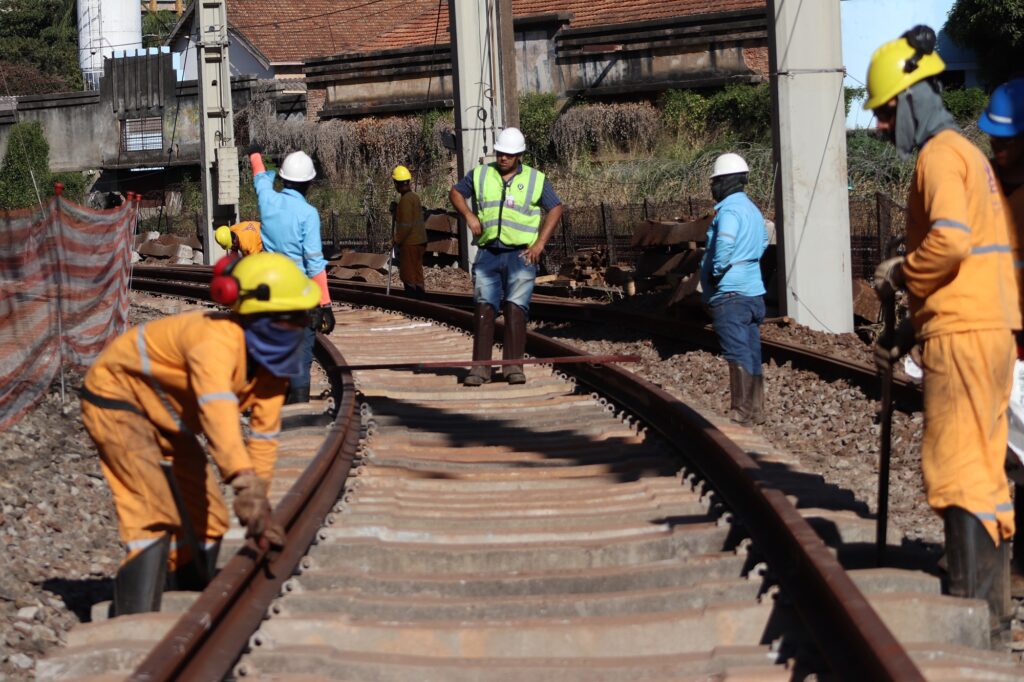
{"x": 671, "y": 257}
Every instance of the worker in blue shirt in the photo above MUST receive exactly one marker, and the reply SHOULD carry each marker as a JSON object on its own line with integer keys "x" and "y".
{"x": 730, "y": 277}
{"x": 291, "y": 226}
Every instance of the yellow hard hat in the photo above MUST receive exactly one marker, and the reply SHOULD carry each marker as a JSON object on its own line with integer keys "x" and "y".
{"x": 222, "y": 235}
{"x": 272, "y": 283}
{"x": 401, "y": 174}
{"x": 897, "y": 65}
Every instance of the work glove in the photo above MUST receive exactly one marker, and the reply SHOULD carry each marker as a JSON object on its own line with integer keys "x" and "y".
{"x": 252, "y": 507}
{"x": 891, "y": 347}
{"x": 325, "y": 319}
{"x": 889, "y": 278}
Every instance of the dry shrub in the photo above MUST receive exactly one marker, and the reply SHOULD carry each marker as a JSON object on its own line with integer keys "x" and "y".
{"x": 631, "y": 127}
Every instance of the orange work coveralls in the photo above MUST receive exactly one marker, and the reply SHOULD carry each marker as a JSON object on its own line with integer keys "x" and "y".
{"x": 160, "y": 384}
{"x": 959, "y": 272}
{"x": 411, "y": 239}
{"x": 250, "y": 240}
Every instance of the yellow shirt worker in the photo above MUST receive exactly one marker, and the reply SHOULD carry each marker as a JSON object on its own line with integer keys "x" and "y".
{"x": 243, "y": 238}
{"x": 958, "y": 273}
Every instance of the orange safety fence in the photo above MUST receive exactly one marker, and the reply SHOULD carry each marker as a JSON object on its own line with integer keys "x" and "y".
{"x": 64, "y": 276}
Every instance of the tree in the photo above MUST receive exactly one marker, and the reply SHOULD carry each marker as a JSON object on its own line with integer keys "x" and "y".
{"x": 42, "y": 35}
{"x": 994, "y": 31}
{"x": 27, "y": 159}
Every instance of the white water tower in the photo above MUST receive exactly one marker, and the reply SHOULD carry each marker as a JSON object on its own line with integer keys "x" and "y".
{"x": 105, "y": 27}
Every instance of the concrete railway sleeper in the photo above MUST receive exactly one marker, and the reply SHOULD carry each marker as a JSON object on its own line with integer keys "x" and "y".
{"x": 583, "y": 526}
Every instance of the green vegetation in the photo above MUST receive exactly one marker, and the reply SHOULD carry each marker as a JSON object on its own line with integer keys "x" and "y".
{"x": 966, "y": 104}
{"x": 28, "y": 159}
{"x": 994, "y": 31}
{"x": 537, "y": 116}
{"x": 38, "y": 47}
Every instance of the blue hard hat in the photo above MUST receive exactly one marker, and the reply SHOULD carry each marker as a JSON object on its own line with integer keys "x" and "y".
{"x": 1004, "y": 115}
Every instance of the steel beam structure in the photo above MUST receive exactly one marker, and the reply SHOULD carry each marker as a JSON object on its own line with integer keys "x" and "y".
{"x": 218, "y": 155}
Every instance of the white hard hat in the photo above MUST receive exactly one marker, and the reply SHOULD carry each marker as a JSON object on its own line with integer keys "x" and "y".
{"x": 510, "y": 141}
{"x": 729, "y": 164}
{"x": 297, "y": 167}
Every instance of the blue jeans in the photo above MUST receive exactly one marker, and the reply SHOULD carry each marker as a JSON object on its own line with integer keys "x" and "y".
{"x": 737, "y": 321}
{"x": 503, "y": 276}
{"x": 306, "y": 348}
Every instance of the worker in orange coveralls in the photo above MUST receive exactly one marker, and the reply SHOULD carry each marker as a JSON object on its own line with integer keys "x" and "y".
{"x": 242, "y": 238}
{"x": 410, "y": 234}
{"x": 963, "y": 303}
{"x": 160, "y": 384}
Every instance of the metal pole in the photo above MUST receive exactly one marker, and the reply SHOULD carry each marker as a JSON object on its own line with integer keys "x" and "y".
{"x": 885, "y": 446}
{"x": 58, "y": 189}
{"x": 186, "y": 525}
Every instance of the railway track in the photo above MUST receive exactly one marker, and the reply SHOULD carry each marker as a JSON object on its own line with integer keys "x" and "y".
{"x": 584, "y": 526}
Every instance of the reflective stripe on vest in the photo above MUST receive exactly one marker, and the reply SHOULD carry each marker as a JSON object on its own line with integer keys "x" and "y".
{"x": 516, "y": 225}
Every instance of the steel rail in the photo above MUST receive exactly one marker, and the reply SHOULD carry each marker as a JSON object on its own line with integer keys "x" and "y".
{"x": 850, "y": 634}
{"x": 906, "y": 394}
{"x": 848, "y": 631}
{"x": 208, "y": 638}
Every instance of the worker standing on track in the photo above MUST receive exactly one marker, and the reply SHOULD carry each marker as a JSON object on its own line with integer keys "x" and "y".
{"x": 505, "y": 218}
{"x": 292, "y": 227}
{"x": 1003, "y": 121}
{"x": 241, "y": 238}
{"x": 731, "y": 286}
{"x": 159, "y": 385}
{"x": 958, "y": 272}
{"x": 410, "y": 234}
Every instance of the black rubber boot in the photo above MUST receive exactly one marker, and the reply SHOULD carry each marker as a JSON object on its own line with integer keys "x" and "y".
{"x": 483, "y": 343}
{"x": 421, "y": 293}
{"x": 1017, "y": 561}
{"x": 297, "y": 394}
{"x": 188, "y": 578}
{"x": 977, "y": 568}
{"x": 515, "y": 343}
{"x": 139, "y": 584}
{"x": 740, "y": 386}
{"x": 756, "y": 402}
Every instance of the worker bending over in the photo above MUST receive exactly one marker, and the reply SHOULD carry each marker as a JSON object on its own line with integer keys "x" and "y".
{"x": 292, "y": 227}
{"x": 242, "y": 239}
{"x": 958, "y": 272}
{"x": 507, "y": 198}
{"x": 731, "y": 286}
{"x": 410, "y": 234}
{"x": 161, "y": 384}
{"x": 1003, "y": 121}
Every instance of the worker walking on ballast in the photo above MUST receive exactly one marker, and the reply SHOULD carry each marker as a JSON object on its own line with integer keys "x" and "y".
{"x": 507, "y": 199}
{"x": 242, "y": 239}
{"x": 731, "y": 286}
{"x": 410, "y": 234}
{"x": 291, "y": 226}
{"x": 958, "y": 273}
{"x": 161, "y": 384}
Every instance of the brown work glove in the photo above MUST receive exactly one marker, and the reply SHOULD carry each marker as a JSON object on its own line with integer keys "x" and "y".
{"x": 889, "y": 278}
{"x": 253, "y": 509}
{"x": 890, "y": 348}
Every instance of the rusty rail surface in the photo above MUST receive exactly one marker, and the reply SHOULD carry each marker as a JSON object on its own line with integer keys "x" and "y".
{"x": 849, "y": 633}
{"x": 906, "y": 395}
{"x": 209, "y": 637}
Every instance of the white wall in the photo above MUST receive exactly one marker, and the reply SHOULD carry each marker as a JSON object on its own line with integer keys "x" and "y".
{"x": 869, "y": 23}
{"x": 242, "y": 61}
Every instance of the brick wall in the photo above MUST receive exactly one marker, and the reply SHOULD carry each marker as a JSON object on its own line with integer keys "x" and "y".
{"x": 755, "y": 55}
{"x": 316, "y": 98}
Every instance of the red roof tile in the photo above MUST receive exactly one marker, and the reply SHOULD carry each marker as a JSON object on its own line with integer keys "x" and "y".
{"x": 292, "y": 31}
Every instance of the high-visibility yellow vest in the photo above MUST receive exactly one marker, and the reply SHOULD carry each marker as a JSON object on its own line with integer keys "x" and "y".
{"x": 509, "y": 214}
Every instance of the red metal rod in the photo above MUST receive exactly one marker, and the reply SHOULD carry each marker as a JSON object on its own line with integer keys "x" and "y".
{"x": 440, "y": 364}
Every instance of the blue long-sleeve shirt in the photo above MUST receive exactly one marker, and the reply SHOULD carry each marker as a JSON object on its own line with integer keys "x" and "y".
{"x": 737, "y": 238}
{"x": 289, "y": 225}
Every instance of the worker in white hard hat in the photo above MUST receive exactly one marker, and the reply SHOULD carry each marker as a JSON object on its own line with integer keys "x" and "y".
{"x": 289, "y": 225}
{"x": 507, "y": 198}
{"x": 410, "y": 233}
{"x": 731, "y": 285}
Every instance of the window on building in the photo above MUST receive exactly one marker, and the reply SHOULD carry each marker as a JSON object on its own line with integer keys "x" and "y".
{"x": 142, "y": 134}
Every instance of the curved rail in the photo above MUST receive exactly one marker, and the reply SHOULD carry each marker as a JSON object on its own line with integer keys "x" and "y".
{"x": 906, "y": 394}
{"x": 848, "y": 631}
{"x": 207, "y": 639}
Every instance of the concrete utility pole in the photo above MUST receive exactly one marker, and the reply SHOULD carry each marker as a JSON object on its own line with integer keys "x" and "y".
{"x": 219, "y": 155}
{"x": 811, "y": 201}
{"x": 484, "y": 78}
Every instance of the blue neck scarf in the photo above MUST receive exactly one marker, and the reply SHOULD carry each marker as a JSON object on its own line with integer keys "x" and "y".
{"x": 274, "y": 347}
